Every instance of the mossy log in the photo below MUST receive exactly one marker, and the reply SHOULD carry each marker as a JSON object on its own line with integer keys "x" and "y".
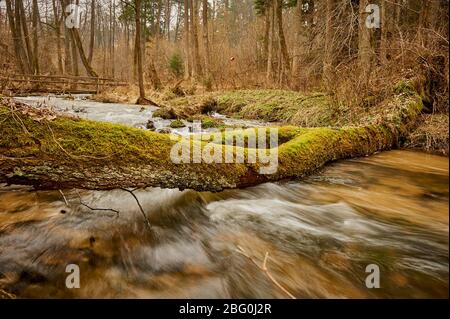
{"x": 53, "y": 151}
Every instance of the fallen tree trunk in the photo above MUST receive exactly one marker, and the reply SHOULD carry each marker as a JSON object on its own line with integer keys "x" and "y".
{"x": 51, "y": 151}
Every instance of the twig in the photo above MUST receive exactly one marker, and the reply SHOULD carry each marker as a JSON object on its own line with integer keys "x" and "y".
{"x": 265, "y": 270}
{"x": 140, "y": 207}
{"x": 65, "y": 200}
{"x": 98, "y": 209}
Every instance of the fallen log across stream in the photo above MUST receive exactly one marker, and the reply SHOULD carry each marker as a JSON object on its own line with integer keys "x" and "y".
{"x": 55, "y": 151}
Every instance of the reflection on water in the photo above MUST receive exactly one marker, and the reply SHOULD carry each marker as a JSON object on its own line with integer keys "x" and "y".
{"x": 321, "y": 233}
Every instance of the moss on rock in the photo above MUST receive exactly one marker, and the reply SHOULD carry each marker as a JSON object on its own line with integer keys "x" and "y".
{"x": 177, "y": 124}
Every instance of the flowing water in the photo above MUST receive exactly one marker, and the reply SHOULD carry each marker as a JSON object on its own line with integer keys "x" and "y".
{"x": 315, "y": 236}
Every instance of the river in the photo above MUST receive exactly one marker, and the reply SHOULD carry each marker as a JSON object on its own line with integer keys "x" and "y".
{"x": 315, "y": 236}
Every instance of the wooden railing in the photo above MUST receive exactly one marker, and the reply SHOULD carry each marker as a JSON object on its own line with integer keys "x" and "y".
{"x": 57, "y": 83}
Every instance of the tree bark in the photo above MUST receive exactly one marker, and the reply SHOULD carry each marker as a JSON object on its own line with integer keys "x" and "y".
{"x": 35, "y": 18}
{"x": 187, "y": 41}
{"x": 297, "y": 48}
{"x": 196, "y": 65}
{"x": 266, "y": 39}
{"x": 73, "y": 47}
{"x": 366, "y": 51}
{"x": 138, "y": 51}
{"x": 57, "y": 17}
{"x": 68, "y": 65}
{"x": 167, "y": 18}
{"x": 206, "y": 37}
{"x": 16, "y": 33}
{"x": 20, "y": 16}
{"x": 92, "y": 32}
{"x": 282, "y": 39}
{"x": 270, "y": 49}
{"x": 328, "y": 54}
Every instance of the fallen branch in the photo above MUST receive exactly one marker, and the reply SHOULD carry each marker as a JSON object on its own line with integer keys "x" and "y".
{"x": 67, "y": 152}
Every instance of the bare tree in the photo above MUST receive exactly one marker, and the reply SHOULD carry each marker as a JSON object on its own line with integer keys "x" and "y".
{"x": 19, "y": 50}
{"x": 328, "y": 56}
{"x": 35, "y": 18}
{"x": 206, "y": 37}
{"x": 283, "y": 47}
{"x": 366, "y": 51}
{"x": 187, "y": 34}
{"x": 58, "y": 19}
{"x": 78, "y": 45}
{"x": 196, "y": 69}
{"x": 137, "y": 47}
{"x": 92, "y": 32}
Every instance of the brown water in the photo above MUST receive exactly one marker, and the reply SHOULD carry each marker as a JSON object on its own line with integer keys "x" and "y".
{"x": 320, "y": 234}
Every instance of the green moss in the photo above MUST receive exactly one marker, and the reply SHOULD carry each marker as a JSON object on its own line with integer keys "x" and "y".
{"x": 69, "y": 138}
{"x": 208, "y": 122}
{"x": 177, "y": 124}
{"x": 405, "y": 87}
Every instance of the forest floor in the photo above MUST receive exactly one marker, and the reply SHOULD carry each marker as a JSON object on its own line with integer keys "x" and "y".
{"x": 430, "y": 132}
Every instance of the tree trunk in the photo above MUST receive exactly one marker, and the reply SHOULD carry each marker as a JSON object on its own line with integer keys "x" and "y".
{"x": 68, "y": 66}
{"x": 79, "y": 46}
{"x": 158, "y": 20}
{"x": 35, "y": 19}
{"x": 187, "y": 41}
{"x": 20, "y": 16}
{"x": 266, "y": 39}
{"x": 428, "y": 13}
{"x": 297, "y": 48}
{"x": 92, "y": 33}
{"x": 366, "y": 51}
{"x": 167, "y": 18}
{"x": 206, "y": 37}
{"x": 282, "y": 39}
{"x": 57, "y": 17}
{"x": 196, "y": 69}
{"x": 113, "y": 39}
{"x": 177, "y": 24}
{"x": 137, "y": 46}
{"x": 328, "y": 54}
{"x": 270, "y": 55}
{"x": 73, "y": 47}
{"x": 68, "y": 152}
{"x": 19, "y": 50}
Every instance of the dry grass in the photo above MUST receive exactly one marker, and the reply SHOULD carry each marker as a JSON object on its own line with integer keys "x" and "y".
{"x": 431, "y": 134}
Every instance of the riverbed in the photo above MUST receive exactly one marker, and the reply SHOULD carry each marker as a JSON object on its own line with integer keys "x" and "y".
{"x": 315, "y": 236}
